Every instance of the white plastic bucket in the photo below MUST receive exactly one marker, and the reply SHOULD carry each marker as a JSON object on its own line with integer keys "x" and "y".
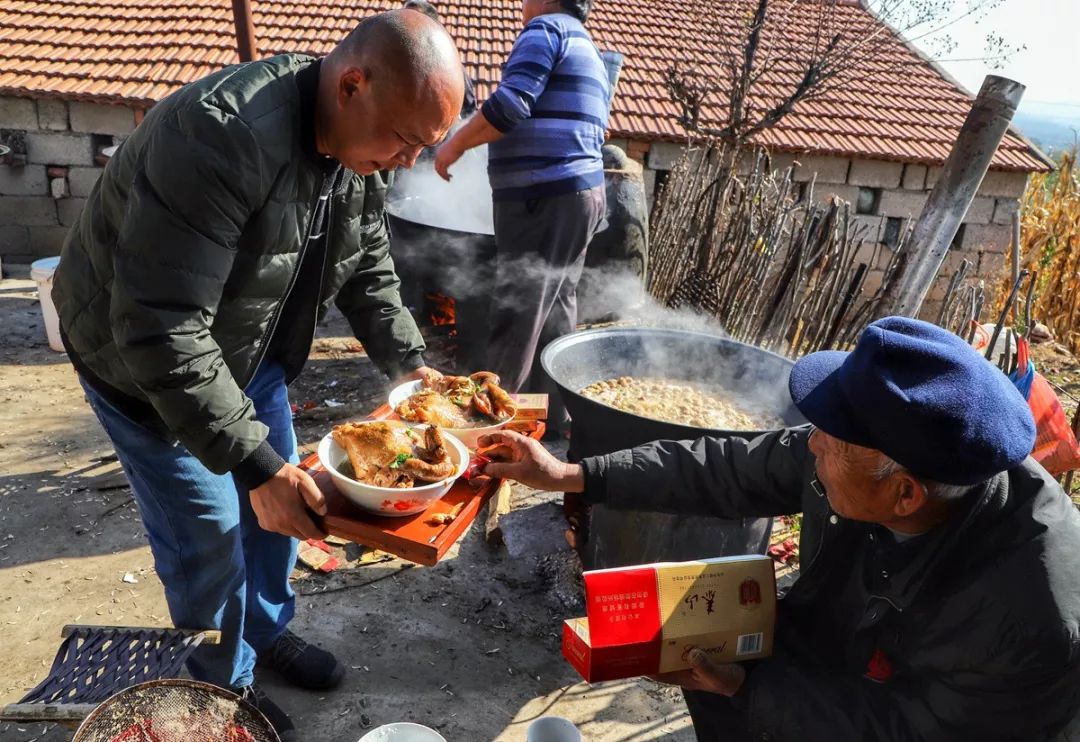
{"x": 553, "y": 729}
{"x": 42, "y": 272}
{"x": 402, "y": 732}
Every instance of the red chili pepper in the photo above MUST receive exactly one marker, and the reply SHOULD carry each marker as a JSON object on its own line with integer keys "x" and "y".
{"x": 476, "y": 467}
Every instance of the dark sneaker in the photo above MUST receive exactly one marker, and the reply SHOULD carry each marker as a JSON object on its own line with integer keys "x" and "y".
{"x": 278, "y": 719}
{"x": 302, "y": 664}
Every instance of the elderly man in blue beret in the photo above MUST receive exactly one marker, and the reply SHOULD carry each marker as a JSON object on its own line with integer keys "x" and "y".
{"x": 939, "y": 596}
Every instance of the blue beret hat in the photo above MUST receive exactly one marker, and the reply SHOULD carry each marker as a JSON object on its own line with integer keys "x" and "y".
{"x": 920, "y": 395}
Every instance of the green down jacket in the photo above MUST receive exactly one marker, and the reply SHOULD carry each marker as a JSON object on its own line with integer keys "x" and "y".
{"x": 171, "y": 283}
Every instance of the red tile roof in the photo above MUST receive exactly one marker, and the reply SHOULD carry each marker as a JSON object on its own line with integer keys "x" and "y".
{"x": 136, "y": 53}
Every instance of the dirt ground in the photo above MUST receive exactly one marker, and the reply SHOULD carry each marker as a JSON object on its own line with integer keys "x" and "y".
{"x": 470, "y": 647}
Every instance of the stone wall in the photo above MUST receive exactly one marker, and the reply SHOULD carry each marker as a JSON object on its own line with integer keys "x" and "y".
{"x": 56, "y": 161}
{"x": 892, "y": 194}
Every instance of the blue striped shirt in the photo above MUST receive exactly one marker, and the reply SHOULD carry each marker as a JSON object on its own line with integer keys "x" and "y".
{"x": 552, "y": 106}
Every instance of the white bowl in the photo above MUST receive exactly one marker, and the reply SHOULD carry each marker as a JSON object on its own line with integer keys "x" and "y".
{"x": 469, "y": 436}
{"x": 402, "y": 732}
{"x": 390, "y": 501}
{"x": 553, "y": 729}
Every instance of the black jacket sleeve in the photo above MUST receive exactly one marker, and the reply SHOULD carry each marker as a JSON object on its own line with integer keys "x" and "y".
{"x": 725, "y": 477}
{"x": 371, "y": 302}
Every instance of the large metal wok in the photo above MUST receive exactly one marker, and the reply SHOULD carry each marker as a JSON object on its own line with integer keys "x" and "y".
{"x": 441, "y": 239}
{"x": 755, "y": 378}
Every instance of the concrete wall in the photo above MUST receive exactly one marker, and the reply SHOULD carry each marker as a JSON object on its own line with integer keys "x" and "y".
{"x": 900, "y": 191}
{"x": 55, "y": 164}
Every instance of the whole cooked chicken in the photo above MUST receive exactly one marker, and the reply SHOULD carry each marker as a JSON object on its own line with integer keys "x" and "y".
{"x": 391, "y": 454}
{"x": 459, "y": 402}
{"x": 431, "y": 406}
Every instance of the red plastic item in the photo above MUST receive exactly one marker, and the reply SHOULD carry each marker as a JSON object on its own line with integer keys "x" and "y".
{"x": 879, "y": 669}
{"x": 1056, "y": 447}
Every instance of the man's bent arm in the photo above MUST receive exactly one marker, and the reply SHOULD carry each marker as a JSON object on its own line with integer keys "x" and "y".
{"x": 371, "y": 302}
{"x": 173, "y": 258}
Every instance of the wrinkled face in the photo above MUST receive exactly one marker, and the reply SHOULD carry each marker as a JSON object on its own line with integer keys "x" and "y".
{"x": 847, "y": 472}
{"x": 375, "y": 127}
{"x": 532, "y": 8}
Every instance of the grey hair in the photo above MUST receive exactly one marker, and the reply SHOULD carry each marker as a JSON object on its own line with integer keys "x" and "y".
{"x": 936, "y": 490}
{"x": 577, "y": 8}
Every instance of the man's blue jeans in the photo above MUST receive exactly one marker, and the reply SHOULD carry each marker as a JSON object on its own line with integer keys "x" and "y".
{"x": 220, "y": 570}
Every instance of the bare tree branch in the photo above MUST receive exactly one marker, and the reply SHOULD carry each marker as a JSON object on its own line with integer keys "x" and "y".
{"x": 830, "y": 55}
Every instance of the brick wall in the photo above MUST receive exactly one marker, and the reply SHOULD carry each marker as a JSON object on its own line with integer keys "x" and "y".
{"x": 892, "y": 195}
{"x": 54, "y": 165}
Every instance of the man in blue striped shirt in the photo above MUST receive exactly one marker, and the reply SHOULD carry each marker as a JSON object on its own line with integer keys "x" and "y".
{"x": 545, "y": 124}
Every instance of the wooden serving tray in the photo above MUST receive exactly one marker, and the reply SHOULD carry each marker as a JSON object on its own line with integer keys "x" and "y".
{"x": 414, "y": 538}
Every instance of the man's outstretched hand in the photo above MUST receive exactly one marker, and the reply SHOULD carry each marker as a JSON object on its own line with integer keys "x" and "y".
{"x": 706, "y": 675}
{"x": 425, "y": 373}
{"x": 523, "y": 459}
{"x": 282, "y": 503}
{"x": 449, "y": 153}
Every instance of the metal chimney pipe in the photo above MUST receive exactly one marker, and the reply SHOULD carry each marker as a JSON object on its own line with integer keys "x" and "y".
{"x": 245, "y": 30}
{"x": 985, "y": 127}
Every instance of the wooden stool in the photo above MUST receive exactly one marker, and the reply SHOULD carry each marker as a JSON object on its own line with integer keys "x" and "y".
{"x": 95, "y": 662}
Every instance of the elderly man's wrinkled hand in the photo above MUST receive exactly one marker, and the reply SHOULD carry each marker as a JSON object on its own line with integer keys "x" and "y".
{"x": 523, "y": 459}
{"x": 705, "y": 675}
{"x": 283, "y": 504}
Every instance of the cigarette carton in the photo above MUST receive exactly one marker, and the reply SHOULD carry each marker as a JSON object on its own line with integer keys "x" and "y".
{"x": 641, "y": 620}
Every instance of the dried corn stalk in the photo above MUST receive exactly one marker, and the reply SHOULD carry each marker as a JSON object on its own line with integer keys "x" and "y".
{"x": 1050, "y": 244}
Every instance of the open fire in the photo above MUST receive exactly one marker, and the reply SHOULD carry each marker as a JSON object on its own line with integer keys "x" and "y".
{"x": 441, "y": 310}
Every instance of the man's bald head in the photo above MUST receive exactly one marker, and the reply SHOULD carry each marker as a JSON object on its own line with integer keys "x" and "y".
{"x": 397, "y": 75}
{"x": 401, "y": 48}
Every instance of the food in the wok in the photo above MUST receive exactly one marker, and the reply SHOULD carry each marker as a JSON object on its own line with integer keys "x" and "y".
{"x": 460, "y": 402}
{"x": 677, "y": 402}
{"x": 391, "y": 454}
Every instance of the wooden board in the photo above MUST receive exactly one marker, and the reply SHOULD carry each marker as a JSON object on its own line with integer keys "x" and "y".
{"x": 413, "y": 538}
{"x": 499, "y": 506}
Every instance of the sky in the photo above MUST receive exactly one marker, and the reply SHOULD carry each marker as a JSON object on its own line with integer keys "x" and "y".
{"x": 1049, "y": 66}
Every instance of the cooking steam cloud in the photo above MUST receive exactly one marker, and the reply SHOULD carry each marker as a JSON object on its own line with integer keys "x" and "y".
{"x": 420, "y": 195}
{"x": 464, "y": 206}
{"x": 461, "y": 264}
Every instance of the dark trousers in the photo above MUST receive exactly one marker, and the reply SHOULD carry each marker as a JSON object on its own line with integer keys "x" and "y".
{"x": 539, "y": 254}
{"x": 716, "y": 719}
{"x": 220, "y": 570}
